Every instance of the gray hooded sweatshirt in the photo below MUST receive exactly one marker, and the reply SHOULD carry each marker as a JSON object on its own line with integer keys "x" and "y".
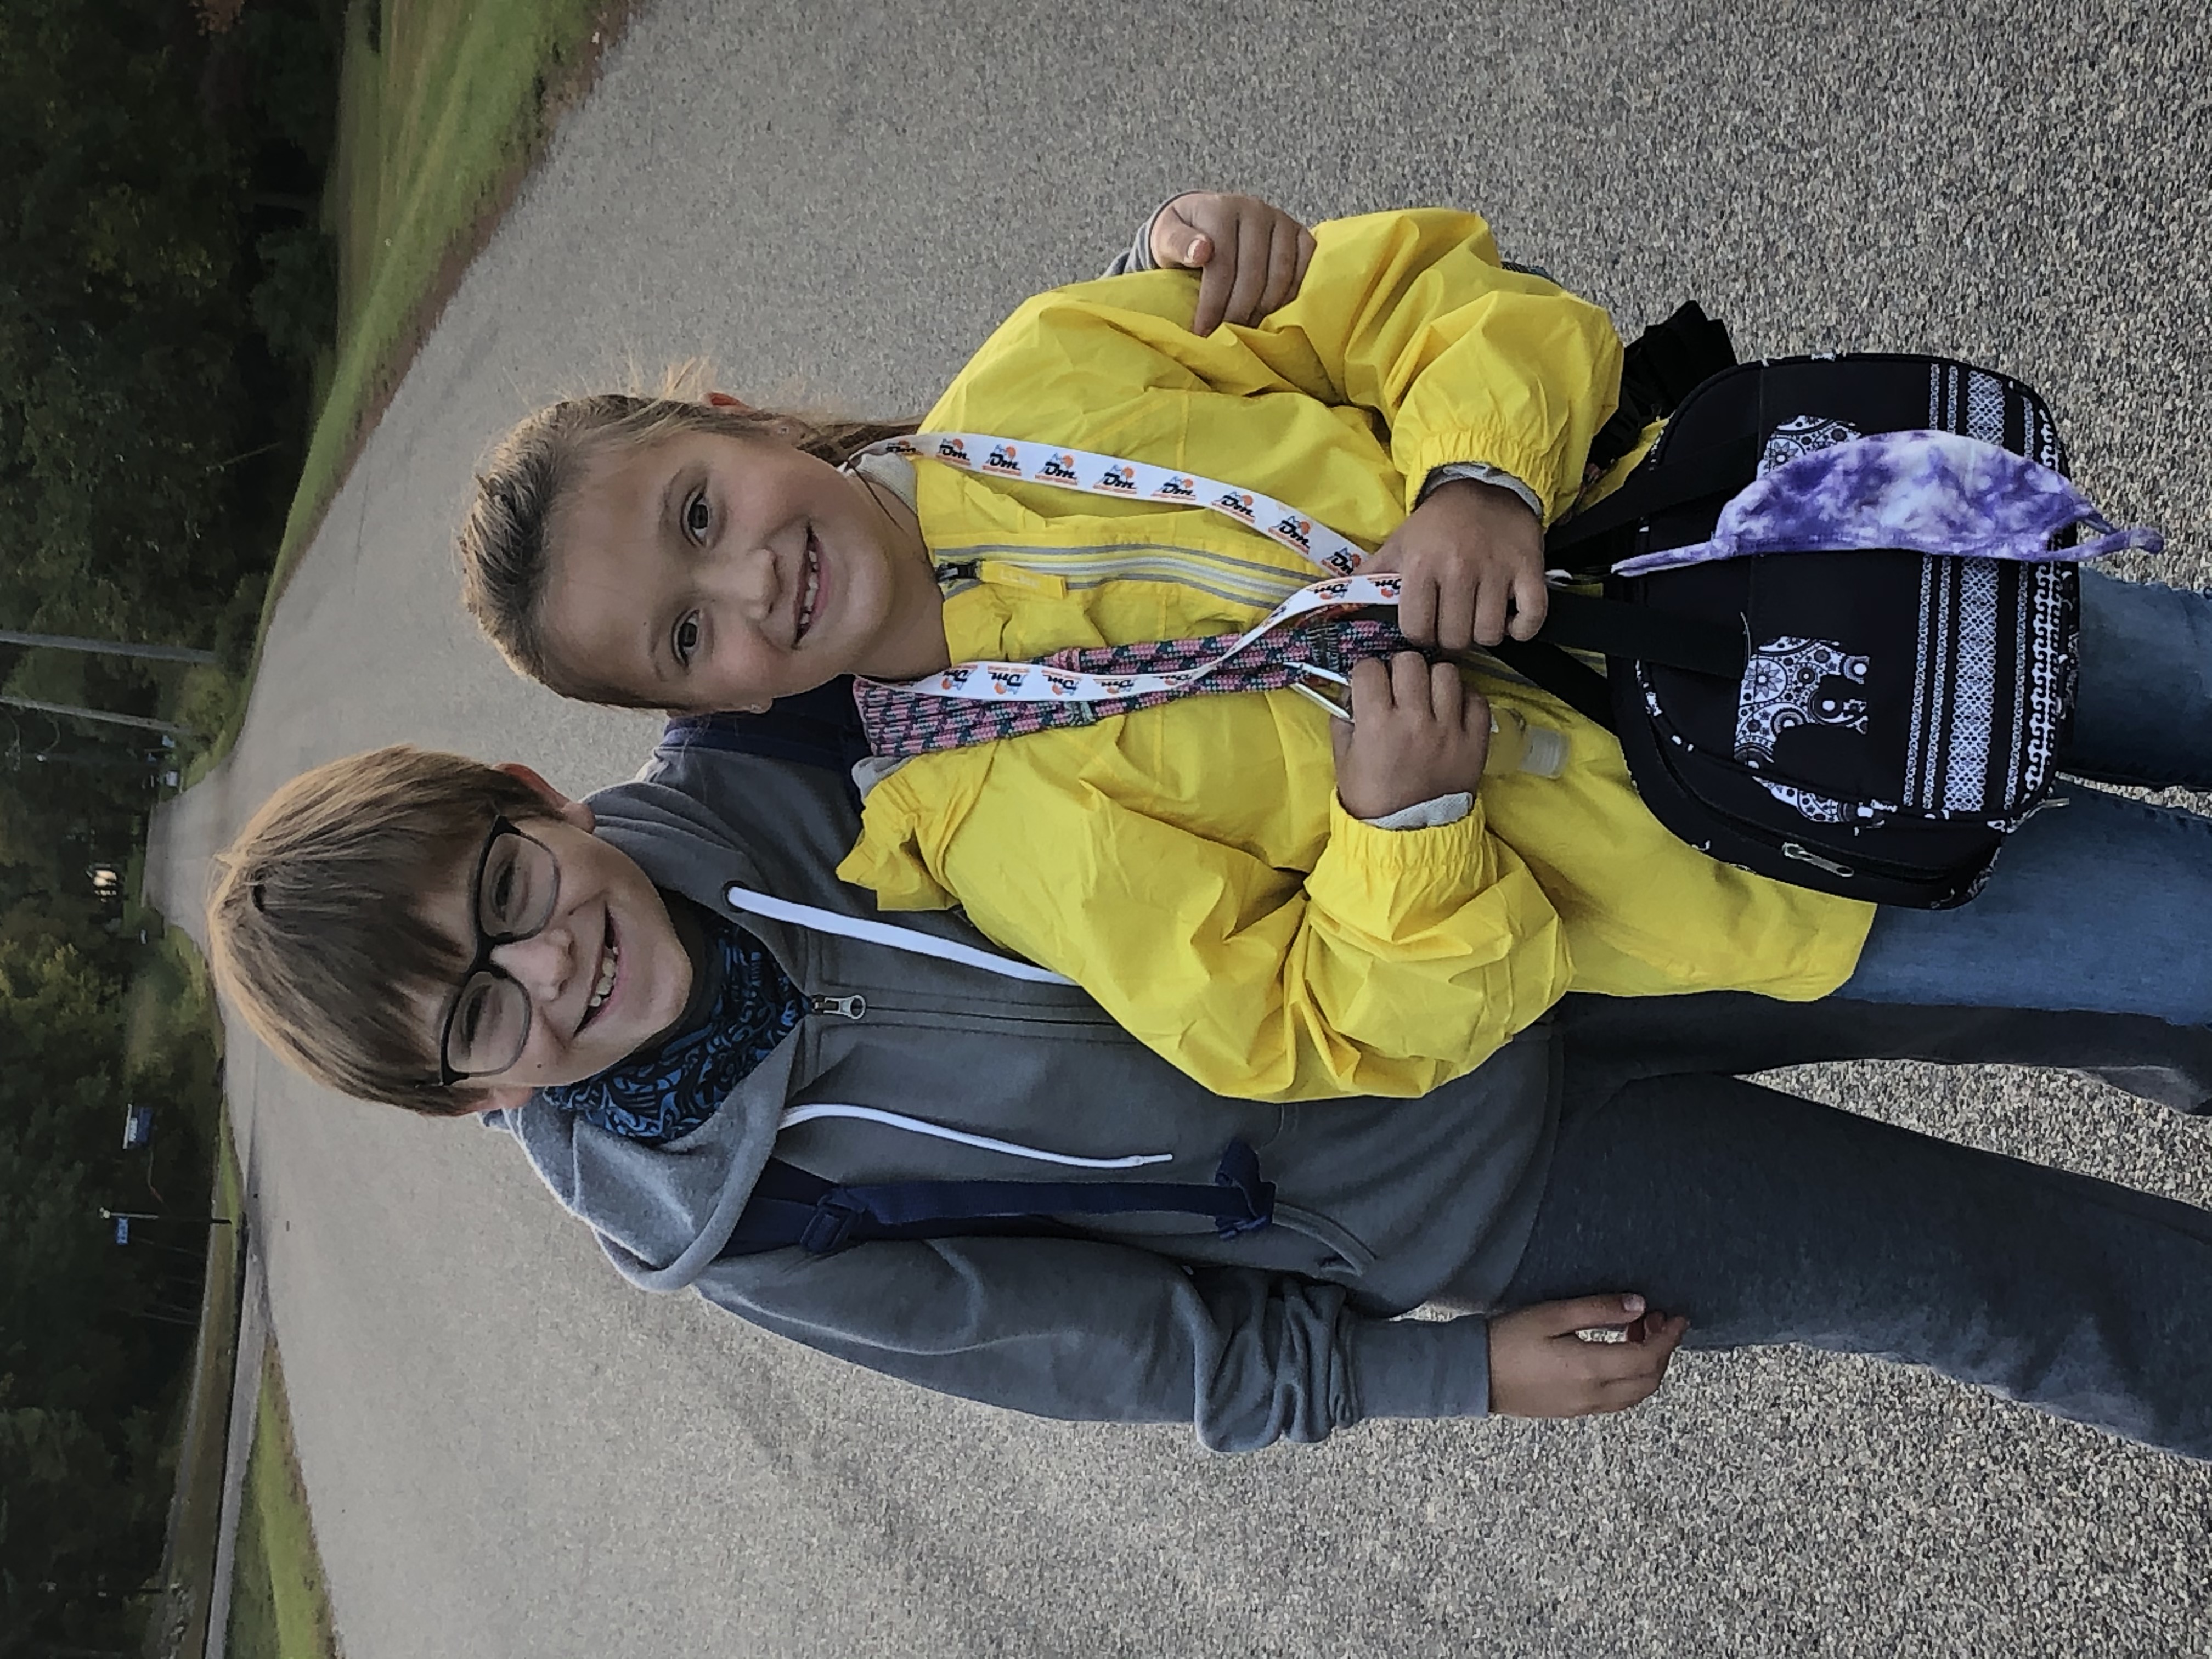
{"x": 914, "y": 1066}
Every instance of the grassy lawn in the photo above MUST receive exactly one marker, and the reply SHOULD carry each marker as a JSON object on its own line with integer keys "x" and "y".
{"x": 278, "y": 1608}
{"x": 442, "y": 106}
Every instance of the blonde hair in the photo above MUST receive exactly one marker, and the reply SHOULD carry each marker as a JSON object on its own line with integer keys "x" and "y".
{"x": 501, "y": 542}
{"x": 316, "y": 921}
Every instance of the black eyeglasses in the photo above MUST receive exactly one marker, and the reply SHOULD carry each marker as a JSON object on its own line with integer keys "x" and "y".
{"x": 517, "y": 886}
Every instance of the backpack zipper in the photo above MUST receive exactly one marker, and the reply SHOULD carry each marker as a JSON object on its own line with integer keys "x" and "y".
{"x": 838, "y": 1007}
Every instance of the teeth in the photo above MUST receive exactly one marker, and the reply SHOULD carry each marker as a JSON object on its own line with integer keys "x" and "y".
{"x": 606, "y": 983}
{"x": 813, "y": 587}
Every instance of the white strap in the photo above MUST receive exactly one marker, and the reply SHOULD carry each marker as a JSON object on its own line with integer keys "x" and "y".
{"x": 1131, "y": 481}
{"x": 989, "y": 681}
{"x": 895, "y": 938}
{"x": 797, "y": 1115}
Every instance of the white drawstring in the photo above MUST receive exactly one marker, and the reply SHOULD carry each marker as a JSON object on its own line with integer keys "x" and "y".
{"x": 797, "y": 1115}
{"x": 895, "y": 938}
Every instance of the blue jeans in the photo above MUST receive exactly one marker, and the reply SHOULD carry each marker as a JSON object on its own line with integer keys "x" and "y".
{"x": 2103, "y": 904}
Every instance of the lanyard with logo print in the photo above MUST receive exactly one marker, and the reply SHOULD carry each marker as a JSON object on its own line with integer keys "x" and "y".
{"x": 992, "y": 682}
{"x": 1132, "y": 481}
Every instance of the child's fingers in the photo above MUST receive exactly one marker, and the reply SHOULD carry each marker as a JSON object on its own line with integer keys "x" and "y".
{"x": 1634, "y": 1370}
{"x": 1284, "y": 264}
{"x": 1532, "y": 600}
{"x": 1244, "y": 295}
{"x": 1371, "y": 688}
{"x": 1215, "y": 279}
{"x": 1455, "y": 608}
{"x": 1174, "y": 241}
{"x": 1492, "y": 595}
{"x": 1418, "y": 599}
{"x": 1409, "y": 680}
{"x": 1447, "y": 696}
{"x": 1586, "y": 1313}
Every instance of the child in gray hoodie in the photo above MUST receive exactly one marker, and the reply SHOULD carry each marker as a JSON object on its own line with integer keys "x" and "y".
{"x": 895, "y": 1144}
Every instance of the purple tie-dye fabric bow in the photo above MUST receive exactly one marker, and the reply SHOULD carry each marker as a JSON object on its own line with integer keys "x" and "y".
{"x": 1930, "y": 492}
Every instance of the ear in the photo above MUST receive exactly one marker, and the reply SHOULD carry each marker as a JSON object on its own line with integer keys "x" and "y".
{"x": 498, "y": 1098}
{"x": 724, "y": 400}
{"x": 572, "y": 813}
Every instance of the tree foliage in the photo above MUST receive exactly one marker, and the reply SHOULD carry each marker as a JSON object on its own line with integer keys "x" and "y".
{"x": 164, "y": 288}
{"x": 137, "y": 161}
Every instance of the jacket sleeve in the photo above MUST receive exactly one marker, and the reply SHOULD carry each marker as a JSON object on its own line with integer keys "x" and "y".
{"x": 1406, "y": 957}
{"x": 1410, "y": 316}
{"x": 1090, "y": 1331}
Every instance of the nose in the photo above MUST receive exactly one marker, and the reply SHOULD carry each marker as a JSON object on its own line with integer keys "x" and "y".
{"x": 544, "y": 964}
{"x": 746, "y": 580}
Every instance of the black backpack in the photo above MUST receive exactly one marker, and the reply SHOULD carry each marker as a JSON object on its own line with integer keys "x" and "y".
{"x": 1866, "y": 723}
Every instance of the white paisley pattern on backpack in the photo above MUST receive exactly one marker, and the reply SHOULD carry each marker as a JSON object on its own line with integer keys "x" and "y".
{"x": 1802, "y": 435}
{"x": 1782, "y": 689}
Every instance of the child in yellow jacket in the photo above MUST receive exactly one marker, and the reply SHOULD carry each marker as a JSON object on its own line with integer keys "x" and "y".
{"x": 1286, "y": 906}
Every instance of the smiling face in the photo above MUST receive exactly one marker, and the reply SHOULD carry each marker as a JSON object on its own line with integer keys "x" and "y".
{"x": 606, "y": 975}
{"x": 707, "y": 570}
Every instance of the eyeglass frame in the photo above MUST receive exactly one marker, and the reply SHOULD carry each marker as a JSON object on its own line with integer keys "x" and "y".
{"x": 481, "y": 962}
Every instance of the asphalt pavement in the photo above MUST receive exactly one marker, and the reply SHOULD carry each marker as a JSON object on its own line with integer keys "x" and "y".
{"x": 511, "y": 1453}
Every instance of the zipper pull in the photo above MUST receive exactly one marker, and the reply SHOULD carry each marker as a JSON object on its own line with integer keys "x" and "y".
{"x": 956, "y": 570}
{"x": 840, "y": 1007}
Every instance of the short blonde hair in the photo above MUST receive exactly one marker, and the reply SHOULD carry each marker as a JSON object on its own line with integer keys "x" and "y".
{"x": 316, "y": 922}
{"x": 502, "y": 543}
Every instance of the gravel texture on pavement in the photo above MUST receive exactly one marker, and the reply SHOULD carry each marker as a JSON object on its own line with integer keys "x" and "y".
{"x": 510, "y": 1452}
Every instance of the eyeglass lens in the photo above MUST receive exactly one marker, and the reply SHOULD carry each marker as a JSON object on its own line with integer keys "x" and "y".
{"x": 516, "y": 896}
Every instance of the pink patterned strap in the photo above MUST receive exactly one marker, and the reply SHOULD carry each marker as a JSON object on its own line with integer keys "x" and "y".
{"x": 900, "y": 723}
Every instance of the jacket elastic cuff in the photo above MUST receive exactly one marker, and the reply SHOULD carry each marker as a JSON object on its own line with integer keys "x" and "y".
{"x": 1530, "y": 467}
{"x": 1421, "y": 1367}
{"x": 1447, "y": 846}
{"x": 1483, "y": 472}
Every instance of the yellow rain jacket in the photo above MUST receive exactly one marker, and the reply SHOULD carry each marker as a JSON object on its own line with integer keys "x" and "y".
{"x": 1190, "y": 865}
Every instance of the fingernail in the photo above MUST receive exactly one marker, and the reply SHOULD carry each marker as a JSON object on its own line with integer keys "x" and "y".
{"x": 1632, "y": 1305}
{"x": 1196, "y": 243}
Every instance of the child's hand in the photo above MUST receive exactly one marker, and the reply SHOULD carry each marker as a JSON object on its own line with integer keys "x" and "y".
{"x": 1416, "y": 733}
{"x": 1466, "y": 551}
{"x": 1539, "y": 1368}
{"x": 1251, "y": 257}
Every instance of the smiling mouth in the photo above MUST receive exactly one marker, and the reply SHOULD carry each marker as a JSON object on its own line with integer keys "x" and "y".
{"x": 609, "y": 971}
{"x": 810, "y": 588}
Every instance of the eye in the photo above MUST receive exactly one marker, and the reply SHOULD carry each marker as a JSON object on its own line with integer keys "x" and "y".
{"x": 469, "y": 1019}
{"x": 685, "y": 638}
{"x": 698, "y": 517}
{"x": 505, "y": 898}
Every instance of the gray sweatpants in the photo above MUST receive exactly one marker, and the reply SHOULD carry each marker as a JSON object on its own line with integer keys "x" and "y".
{"x": 1767, "y": 1218}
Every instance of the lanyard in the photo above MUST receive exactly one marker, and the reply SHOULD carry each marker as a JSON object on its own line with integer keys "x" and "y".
{"x": 1108, "y": 475}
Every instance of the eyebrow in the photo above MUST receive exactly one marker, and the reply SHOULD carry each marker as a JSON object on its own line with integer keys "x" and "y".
{"x": 658, "y": 656}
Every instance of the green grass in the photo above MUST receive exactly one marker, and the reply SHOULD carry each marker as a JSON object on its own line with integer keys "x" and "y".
{"x": 279, "y": 1608}
{"x": 169, "y": 1007}
{"x": 440, "y": 114}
